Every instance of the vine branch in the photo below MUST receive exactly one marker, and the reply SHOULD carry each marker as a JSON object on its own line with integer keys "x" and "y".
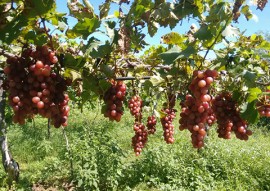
{"x": 46, "y": 31}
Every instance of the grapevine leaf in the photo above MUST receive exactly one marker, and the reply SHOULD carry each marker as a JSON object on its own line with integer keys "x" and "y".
{"x": 249, "y": 78}
{"x": 73, "y": 63}
{"x": 152, "y": 28}
{"x": 247, "y": 12}
{"x": 187, "y": 52}
{"x": 101, "y": 51}
{"x": 173, "y": 38}
{"x": 236, "y": 95}
{"x": 171, "y": 55}
{"x": 156, "y": 80}
{"x": 72, "y": 74}
{"x": 147, "y": 85}
{"x": 104, "y": 9}
{"x": 253, "y": 94}
{"x": 104, "y": 85}
{"x": 34, "y": 8}
{"x": 161, "y": 114}
{"x": 83, "y": 28}
{"x": 203, "y": 33}
{"x": 249, "y": 112}
{"x": 107, "y": 70}
{"x": 14, "y": 26}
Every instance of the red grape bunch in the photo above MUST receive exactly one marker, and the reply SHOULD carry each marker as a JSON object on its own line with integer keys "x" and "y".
{"x": 151, "y": 124}
{"x": 140, "y": 138}
{"x": 167, "y": 124}
{"x": 228, "y": 117}
{"x": 34, "y": 88}
{"x": 194, "y": 118}
{"x": 167, "y": 120}
{"x": 113, "y": 99}
{"x": 135, "y": 106}
{"x": 263, "y": 105}
{"x": 196, "y": 110}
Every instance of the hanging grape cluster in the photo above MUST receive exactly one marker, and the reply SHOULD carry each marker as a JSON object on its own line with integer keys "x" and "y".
{"x": 263, "y": 105}
{"x": 196, "y": 111}
{"x": 167, "y": 119}
{"x": 228, "y": 117}
{"x": 113, "y": 99}
{"x": 135, "y": 107}
{"x": 140, "y": 138}
{"x": 151, "y": 124}
{"x": 35, "y": 86}
{"x": 141, "y": 135}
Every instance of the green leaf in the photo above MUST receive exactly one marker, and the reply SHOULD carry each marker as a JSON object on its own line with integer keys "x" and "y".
{"x": 84, "y": 28}
{"x": 187, "y": 52}
{"x": 39, "y": 8}
{"x": 107, "y": 70}
{"x": 104, "y": 9}
{"x": 156, "y": 80}
{"x": 249, "y": 112}
{"x": 72, "y": 62}
{"x": 174, "y": 38}
{"x": 253, "y": 94}
{"x": 104, "y": 85}
{"x": 102, "y": 51}
{"x": 12, "y": 30}
{"x": 171, "y": 55}
{"x": 249, "y": 78}
{"x": 203, "y": 33}
{"x": 247, "y": 12}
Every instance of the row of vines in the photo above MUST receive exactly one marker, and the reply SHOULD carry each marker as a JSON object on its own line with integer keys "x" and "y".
{"x": 47, "y": 63}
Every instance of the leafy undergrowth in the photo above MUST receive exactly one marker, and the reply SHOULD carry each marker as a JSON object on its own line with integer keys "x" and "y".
{"x": 102, "y": 158}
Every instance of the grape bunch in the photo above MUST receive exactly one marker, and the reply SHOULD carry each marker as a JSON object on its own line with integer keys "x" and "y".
{"x": 228, "y": 117}
{"x": 194, "y": 118}
{"x": 167, "y": 119}
{"x": 167, "y": 124}
{"x": 135, "y": 106}
{"x": 196, "y": 111}
{"x": 211, "y": 118}
{"x": 35, "y": 88}
{"x": 113, "y": 99}
{"x": 140, "y": 138}
{"x": 263, "y": 105}
{"x": 151, "y": 124}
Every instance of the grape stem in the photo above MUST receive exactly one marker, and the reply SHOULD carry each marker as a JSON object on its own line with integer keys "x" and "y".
{"x": 215, "y": 41}
{"x": 262, "y": 83}
{"x": 5, "y": 53}
{"x": 46, "y": 31}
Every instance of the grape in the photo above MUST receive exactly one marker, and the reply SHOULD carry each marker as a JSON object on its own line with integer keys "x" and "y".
{"x": 228, "y": 117}
{"x": 135, "y": 106}
{"x": 31, "y": 88}
{"x": 113, "y": 99}
{"x": 151, "y": 124}
{"x": 167, "y": 120}
{"x": 168, "y": 127}
{"x": 263, "y": 105}
{"x": 140, "y": 138}
{"x": 197, "y": 114}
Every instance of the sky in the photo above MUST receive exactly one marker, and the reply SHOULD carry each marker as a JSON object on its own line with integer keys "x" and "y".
{"x": 259, "y": 23}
